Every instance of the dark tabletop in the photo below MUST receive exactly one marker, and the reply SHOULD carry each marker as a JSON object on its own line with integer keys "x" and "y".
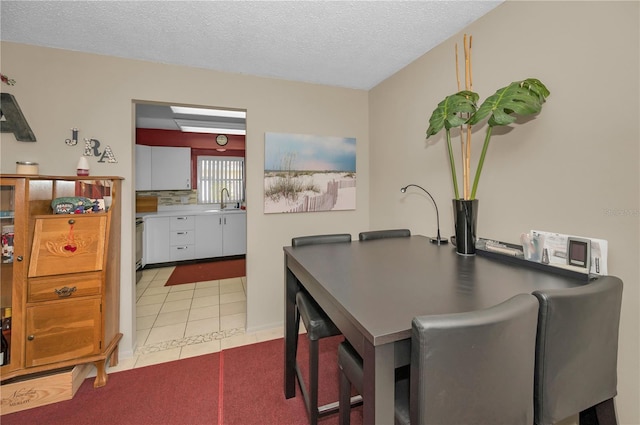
{"x": 382, "y": 284}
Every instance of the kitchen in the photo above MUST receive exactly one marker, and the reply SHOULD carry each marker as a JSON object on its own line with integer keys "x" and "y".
{"x": 190, "y": 188}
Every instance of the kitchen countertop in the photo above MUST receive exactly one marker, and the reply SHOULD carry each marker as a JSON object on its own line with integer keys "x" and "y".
{"x": 174, "y": 210}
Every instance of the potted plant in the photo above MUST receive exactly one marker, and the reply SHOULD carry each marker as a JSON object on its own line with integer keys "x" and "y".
{"x": 460, "y": 110}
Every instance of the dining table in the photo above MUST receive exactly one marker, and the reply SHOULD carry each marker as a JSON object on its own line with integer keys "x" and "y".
{"x": 373, "y": 289}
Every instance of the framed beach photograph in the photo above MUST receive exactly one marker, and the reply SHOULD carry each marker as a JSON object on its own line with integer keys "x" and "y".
{"x": 307, "y": 173}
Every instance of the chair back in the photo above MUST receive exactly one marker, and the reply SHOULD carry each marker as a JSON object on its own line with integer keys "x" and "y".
{"x": 475, "y": 367}
{"x": 577, "y": 348}
{"x": 381, "y": 234}
{"x": 320, "y": 239}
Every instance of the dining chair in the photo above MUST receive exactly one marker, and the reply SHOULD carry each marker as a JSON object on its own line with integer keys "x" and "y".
{"x": 381, "y": 234}
{"x": 577, "y": 352}
{"x": 467, "y": 368}
{"x": 318, "y": 326}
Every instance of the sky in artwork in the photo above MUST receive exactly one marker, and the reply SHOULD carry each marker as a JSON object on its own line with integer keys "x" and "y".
{"x": 308, "y": 152}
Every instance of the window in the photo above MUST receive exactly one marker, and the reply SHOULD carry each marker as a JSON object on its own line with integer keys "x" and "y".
{"x": 216, "y": 173}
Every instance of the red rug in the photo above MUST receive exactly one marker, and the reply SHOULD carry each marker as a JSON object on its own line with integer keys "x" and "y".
{"x": 242, "y": 386}
{"x": 212, "y": 270}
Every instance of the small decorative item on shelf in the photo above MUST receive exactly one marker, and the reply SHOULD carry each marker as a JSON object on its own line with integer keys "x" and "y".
{"x": 71, "y": 205}
{"x": 461, "y": 110}
{"x": 83, "y": 166}
{"x": 27, "y": 167}
{"x": 7, "y": 243}
{"x": 533, "y": 247}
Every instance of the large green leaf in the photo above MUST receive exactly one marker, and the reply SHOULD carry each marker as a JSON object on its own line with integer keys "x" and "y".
{"x": 449, "y": 113}
{"x": 518, "y": 98}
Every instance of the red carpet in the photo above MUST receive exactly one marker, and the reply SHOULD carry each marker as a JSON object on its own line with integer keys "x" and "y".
{"x": 212, "y": 270}
{"x": 254, "y": 384}
{"x": 183, "y": 392}
{"x": 194, "y": 392}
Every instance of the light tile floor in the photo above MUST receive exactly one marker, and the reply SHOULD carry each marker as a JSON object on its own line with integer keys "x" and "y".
{"x": 192, "y": 319}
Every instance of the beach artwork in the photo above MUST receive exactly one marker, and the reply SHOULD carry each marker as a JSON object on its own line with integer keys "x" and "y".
{"x": 306, "y": 173}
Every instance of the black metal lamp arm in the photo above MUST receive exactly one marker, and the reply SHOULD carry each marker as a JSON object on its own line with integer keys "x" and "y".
{"x": 438, "y": 239}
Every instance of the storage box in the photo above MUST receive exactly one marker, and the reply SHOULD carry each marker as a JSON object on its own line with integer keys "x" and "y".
{"x": 146, "y": 203}
{"x": 43, "y": 389}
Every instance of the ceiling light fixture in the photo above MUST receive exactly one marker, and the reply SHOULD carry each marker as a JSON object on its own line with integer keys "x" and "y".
{"x": 208, "y": 112}
{"x": 212, "y": 130}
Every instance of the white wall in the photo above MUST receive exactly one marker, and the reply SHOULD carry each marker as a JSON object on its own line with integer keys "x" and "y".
{"x": 562, "y": 171}
{"x": 59, "y": 89}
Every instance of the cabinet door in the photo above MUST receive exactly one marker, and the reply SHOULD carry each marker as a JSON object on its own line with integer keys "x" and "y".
{"x": 68, "y": 244}
{"x": 234, "y": 241}
{"x": 157, "y": 239}
{"x": 60, "y": 331}
{"x": 143, "y": 167}
{"x": 170, "y": 168}
{"x": 13, "y": 222}
{"x": 208, "y": 236}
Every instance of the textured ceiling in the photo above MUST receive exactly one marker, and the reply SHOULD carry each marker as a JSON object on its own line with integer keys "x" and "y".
{"x": 354, "y": 44}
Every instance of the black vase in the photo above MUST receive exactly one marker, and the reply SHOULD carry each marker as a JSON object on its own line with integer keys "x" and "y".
{"x": 465, "y": 217}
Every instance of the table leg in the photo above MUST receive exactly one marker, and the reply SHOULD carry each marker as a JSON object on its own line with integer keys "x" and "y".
{"x": 290, "y": 332}
{"x": 378, "y": 391}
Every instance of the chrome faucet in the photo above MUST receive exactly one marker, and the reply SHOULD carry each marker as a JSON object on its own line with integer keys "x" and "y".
{"x": 222, "y": 197}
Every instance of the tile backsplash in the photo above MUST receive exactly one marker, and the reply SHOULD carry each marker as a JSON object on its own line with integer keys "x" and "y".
{"x": 172, "y": 197}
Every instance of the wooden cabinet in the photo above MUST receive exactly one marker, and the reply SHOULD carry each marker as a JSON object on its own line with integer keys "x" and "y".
{"x": 163, "y": 168}
{"x": 62, "y": 331}
{"x": 64, "y": 281}
{"x": 13, "y": 215}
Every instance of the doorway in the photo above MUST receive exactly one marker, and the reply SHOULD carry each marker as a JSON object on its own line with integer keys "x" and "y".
{"x": 156, "y": 305}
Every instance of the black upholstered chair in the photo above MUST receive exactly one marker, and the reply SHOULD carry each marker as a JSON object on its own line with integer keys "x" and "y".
{"x": 381, "y": 234}
{"x": 577, "y": 352}
{"x": 318, "y": 326}
{"x": 466, "y": 368}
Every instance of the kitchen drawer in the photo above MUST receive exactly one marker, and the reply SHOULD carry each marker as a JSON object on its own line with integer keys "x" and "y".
{"x": 183, "y": 222}
{"x": 68, "y": 244}
{"x": 62, "y": 330}
{"x": 183, "y": 237}
{"x": 64, "y": 286}
{"x": 182, "y": 252}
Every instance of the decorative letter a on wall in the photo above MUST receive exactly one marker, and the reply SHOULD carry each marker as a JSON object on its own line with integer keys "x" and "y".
{"x": 13, "y": 121}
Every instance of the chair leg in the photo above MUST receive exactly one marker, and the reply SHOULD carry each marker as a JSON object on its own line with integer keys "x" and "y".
{"x": 296, "y": 334}
{"x": 601, "y": 414}
{"x": 344, "y": 399}
{"x": 313, "y": 381}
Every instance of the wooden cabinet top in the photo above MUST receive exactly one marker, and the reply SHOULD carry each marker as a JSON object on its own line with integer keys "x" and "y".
{"x": 70, "y": 178}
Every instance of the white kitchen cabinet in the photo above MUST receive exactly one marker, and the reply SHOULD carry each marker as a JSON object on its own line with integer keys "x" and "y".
{"x": 170, "y": 168}
{"x": 157, "y": 240}
{"x": 221, "y": 235}
{"x": 234, "y": 235}
{"x": 209, "y": 236}
{"x": 189, "y": 237}
{"x": 182, "y": 237}
{"x": 163, "y": 168}
{"x": 143, "y": 167}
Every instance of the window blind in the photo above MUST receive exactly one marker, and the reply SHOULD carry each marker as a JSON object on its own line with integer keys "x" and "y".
{"x": 216, "y": 173}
